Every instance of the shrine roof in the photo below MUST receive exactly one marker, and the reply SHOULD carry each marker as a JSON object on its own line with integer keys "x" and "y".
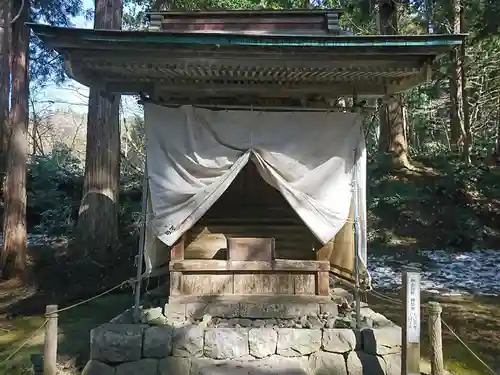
{"x": 224, "y": 63}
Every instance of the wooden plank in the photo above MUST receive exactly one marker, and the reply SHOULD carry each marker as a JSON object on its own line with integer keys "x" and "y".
{"x": 250, "y": 298}
{"x": 244, "y": 13}
{"x": 323, "y": 284}
{"x": 235, "y": 27}
{"x": 263, "y": 60}
{"x": 176, "y": 278}
{"x": 205, "y": 244}
{"x": 249, "y": 248}
{"x": 204, "y": 284}
{"x": 263, "y": 283}
{"x": 304, "y": 284}
{"x": 291, "y": 241}
{"x": 177, "y": 250}
{"x": 248, "y": 22}
{"x": 336, "y": 88}
{"x": 278, "y": 265}
{"x": 175, "y": 283}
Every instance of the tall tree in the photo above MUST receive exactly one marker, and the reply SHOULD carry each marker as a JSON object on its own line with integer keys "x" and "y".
{"x": 457, "y": 135}
{"x": 5, "y": 26}
{"x": 496, "y": 150}
{"x": 465, "y": 96}
{"x": 461, "y": 135}
{"x": 392, "y": 119}
{"x": 97, "y": 226}
{"x": 14, "y": 252}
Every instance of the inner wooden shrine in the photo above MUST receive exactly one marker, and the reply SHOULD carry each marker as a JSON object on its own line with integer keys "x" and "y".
{"x": 249, "y": 242}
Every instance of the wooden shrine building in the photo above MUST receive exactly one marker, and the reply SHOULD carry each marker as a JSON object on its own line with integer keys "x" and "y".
{"x": 250, "y": 242}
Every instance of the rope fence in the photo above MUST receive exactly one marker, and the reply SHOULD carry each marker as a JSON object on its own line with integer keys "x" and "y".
{"x": 459, "y": 339}
{"x": 130, "y": 281}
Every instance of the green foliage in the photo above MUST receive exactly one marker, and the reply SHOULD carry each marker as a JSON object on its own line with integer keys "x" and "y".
{"x": 54, "y": 189}
{"x": 46, "y": 65}
{"x": 443, "y": 204}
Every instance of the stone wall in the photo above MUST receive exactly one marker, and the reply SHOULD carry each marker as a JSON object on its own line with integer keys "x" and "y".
{"x": 198, "y": 349}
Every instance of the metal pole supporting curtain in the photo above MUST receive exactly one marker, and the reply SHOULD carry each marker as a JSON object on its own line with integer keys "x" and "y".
{"x": 356, "y": 227}
{"x": 142, "y": 238}
{"x": 357, "y": 296}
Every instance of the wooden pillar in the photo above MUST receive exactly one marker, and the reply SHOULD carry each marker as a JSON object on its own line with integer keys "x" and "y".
{"x": 176, "y": 254}
{"x": 50, "y": 344}
{"x": 323, "y": 278}
{"x": 436, "y": 339}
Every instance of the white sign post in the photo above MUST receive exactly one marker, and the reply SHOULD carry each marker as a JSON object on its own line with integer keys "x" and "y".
{"x": 411, "y": 331}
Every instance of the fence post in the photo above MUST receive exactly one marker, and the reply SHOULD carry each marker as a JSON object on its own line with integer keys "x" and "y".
{"x": 50, "y": 344}
{"x": 436, "y": 339}
{"x": 410, "y": 360}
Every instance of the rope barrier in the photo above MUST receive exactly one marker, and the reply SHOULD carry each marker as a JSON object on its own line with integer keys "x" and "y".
{"x": 130, "y": 281}
{"x": 11, "y": 355}
{"x": 397, "y": 302}
{"x": 467, "y": 347}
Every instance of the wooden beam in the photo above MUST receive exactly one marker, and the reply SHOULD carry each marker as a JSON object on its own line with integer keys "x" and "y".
{"x": 176, "y": 255}
{"x": 421, "y": 77}
{"x": 264, "y": 90}
{"x": 261, "y": 60}
{"x": 256, "y": 104}
{"x": 323, "y": 283}
{"x": 250, "y": 298}
{"x": 278, "y": 265}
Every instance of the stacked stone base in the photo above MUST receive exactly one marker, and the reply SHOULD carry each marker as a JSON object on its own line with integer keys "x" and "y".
{"x": 196, "y": 349}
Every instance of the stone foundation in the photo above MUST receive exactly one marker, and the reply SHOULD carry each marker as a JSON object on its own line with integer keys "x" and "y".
{"x": 203, "y": 347}
{"x": 249, "y": 307}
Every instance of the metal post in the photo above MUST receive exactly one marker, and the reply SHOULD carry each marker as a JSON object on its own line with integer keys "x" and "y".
{"x": 50, "y": 342}
{"x": 142, "y": 239}
{"x": 357, "y": 295}
{"x": 411, "y": 331}
{"x": 436, "y": 339}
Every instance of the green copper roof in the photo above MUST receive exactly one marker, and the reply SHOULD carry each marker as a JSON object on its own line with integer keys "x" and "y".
{"x": 225, "y": 64}
{"x": 47, "y": 33}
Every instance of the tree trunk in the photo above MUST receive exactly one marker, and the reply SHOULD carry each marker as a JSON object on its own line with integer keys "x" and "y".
{"x": 388, "y": 17}
{"x": 14, "y": 251}
{"x": 465, "y": 96}
{"x": 429, "y": 16}
{"x": 387, "y": 22}
{"x": 496, "y": 151}
{"x": 392, "y": 129}
{"x": 4, "y": 84}
{"x": 456, "y": 89}
{"x": 97, "y": 227}
{"x": 393, "y": 121}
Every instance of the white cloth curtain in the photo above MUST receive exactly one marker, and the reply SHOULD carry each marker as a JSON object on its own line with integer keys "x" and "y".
{"x": 194, "y": 154}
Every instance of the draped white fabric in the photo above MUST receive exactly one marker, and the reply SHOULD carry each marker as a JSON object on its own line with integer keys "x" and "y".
{"x": 194, "y": 154}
